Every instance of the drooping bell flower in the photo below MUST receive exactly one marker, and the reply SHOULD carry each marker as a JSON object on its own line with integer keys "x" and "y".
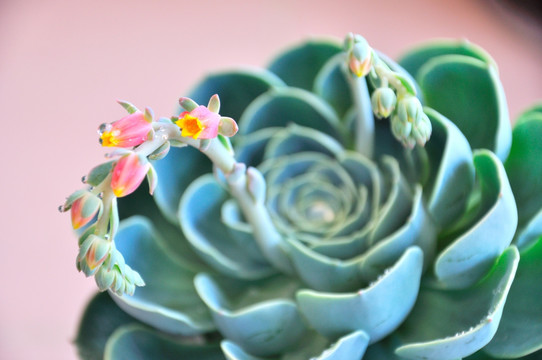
{"x": 128, "y": 173}
{"x": 92, "y": 254}
{"x": 130, "y": 131}
{"x": 84, "y": 209}
{"x": 359, "y": 55}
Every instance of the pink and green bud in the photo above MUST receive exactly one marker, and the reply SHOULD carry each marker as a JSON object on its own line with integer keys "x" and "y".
{"x": 84, "y": 209}
{"x": 130, "y": 131}
{"x": 383, "y": 102}
{"x": 128, "y": 173}
{"x": 204, "y": 122}
{"x": 92, "y": 254}
{"x": 359, "y": 55}
{"x": 410, "y": 124}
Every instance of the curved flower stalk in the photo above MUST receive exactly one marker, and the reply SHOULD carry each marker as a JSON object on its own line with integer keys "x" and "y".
{"x": 368, "y": 211}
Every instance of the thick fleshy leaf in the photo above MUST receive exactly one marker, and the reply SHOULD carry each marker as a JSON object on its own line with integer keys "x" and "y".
{"x": 530, "y": 232}
{"x": 524, "y": 167}
{"x": 137, "y": 342}
{"x": 296, "y": 139}
{"x": 232, "y": 351}
{"x": 176, "y": 171}
{"x": 101, "y": 318}
{"x": 413, "y": 60}
{"x": 468, "y": 258}
{"x": 349, "y": 347}
{"x": 283, "y": 106}
{"x": 140, "y": 203}
{"x": 468, "y": 92}
{"x": 236, "y": 89}
{"x": 451, "y": 324}
{"x": 520, "y": 330}
{"x": 169, "y": 300}
{"x": 259, "y": 316}
{"x": 332, "y": 85}
{"x": 419, "y": 230}
{"x": 299, "y": 65}
{"x": 451, "y": 176}
{"x": 377, "y": 310}
{"x": 200, "y": 208}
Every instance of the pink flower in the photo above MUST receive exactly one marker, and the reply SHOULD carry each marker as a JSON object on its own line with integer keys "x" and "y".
{"x": 200, "y": 123}
{"x": 130, "y": 131}
{"x": 128, "y": 174}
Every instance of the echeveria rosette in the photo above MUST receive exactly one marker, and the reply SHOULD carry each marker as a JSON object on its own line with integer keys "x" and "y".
{"x": 427, "y": 253}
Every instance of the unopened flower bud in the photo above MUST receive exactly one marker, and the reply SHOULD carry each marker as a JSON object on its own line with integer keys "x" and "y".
{"x": 409, "y": 109}
{"x": 400, "y": 129}
{"x": 105, "y": 277}
{"x": 383, "y": 101}
{"x": 92, "y": 254}
{"x": 128, "y": 173}
{"x": 410, "y": 125}
{"x": 359, "y": 55}
{"x": 422, "y": 130}
{"x": 84, "y": 209}
{"x": 130, "y": 131}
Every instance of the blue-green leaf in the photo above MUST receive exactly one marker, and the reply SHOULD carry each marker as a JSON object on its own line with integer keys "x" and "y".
{"x": 471, "y": 255}
{"x": 332, "y": 85}
{"x": 236, "y": 89}
{"x": 169, "y": 300}
{"x": 141, "y": 203}
{"x": 101, "y": 318}
{"x": 349, "y": 347}
{"x": 176, "y": 171}
{"x": 520, "y": 330}
{"x": 200, "y": 209}
{"x": 283, "y": 106}
{"x": 451, "y": 324}
{"x": 137, "y": 342}
{"x": 524, "y": 165}
{"x": 259, "y": 316}
{"x": 451, "y": 176}
{"x": 413, "y": 60}
{"x": 468, "y": 92}
{"x": 298, "y": 66}
{"x": 377, "y": 310}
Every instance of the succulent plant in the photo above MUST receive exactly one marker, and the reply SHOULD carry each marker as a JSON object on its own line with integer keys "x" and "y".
{"x": 365, "y": 209}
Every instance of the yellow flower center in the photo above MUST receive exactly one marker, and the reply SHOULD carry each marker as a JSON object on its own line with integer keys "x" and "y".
{"x": 190, "y": 126}
{"x": 109, "y": 138}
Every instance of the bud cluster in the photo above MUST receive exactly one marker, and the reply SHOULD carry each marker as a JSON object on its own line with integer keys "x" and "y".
{"x": 394, "y": 95}
{"x": 138, "y": 139}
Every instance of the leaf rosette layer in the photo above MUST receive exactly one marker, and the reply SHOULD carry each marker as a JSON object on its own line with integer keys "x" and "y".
{"x": 404, "y": 253}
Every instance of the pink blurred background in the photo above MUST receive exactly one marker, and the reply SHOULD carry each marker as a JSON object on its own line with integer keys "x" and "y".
{"x": 63, "y": 63}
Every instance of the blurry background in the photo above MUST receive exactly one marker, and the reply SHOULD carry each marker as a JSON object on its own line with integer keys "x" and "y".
{"x": 63, "y": 63}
